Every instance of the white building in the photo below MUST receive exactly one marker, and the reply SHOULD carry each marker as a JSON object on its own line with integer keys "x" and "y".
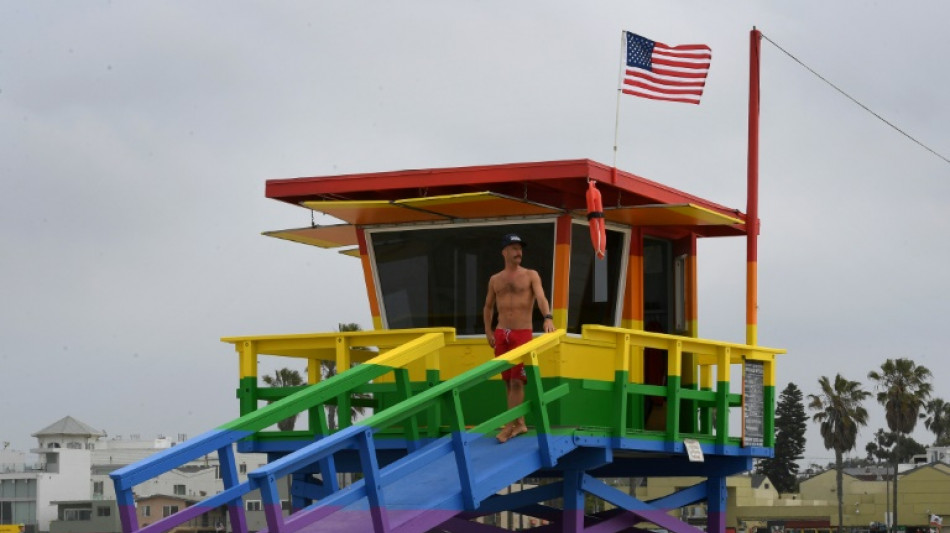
{"x": 938, "y": 454}
{"x": 74, "y": 463}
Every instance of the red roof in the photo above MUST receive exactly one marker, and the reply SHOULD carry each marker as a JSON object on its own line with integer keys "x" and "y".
{"x": 559, "y": 184}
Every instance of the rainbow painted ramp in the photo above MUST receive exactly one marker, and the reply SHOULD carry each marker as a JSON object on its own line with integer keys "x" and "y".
{"x": 428, "y": 455}
{"x": 425, "y": 488}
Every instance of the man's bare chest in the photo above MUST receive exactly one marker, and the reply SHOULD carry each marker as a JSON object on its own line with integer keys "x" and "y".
{"x": 513, "y": 286}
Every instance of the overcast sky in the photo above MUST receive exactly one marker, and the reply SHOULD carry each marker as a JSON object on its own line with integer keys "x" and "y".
{"x": 136, "y": 137}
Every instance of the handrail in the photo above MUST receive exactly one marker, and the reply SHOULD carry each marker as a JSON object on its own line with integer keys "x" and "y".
{"x": 406, "y": 347}
{"x": 705, "y": 354}
{"x": 221, "y": 439}
{"x": 361, "y": 438}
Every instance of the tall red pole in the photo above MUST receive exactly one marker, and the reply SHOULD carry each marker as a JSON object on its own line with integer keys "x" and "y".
{"x": 752, "y": 195}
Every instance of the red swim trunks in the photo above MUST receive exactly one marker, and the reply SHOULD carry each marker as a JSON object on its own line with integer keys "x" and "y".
{"x": 505, "y": 340}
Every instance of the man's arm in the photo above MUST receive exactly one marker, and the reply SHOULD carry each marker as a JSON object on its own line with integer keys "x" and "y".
{"x": 488, "y": 311}
{"x": 543, "y": 305}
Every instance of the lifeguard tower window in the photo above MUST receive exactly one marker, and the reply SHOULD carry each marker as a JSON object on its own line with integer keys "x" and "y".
{"x": 657, "y": 284}
{"x": 594, "y": 291}
{"x": 436, "y": 276}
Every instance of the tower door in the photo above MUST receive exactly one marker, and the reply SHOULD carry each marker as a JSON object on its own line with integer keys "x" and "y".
{"x": 665, "y": 291}
{"x": 658, "y": 289}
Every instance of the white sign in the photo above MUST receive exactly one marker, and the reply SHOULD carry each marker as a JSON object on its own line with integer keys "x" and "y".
{"x": 693, "y": 450}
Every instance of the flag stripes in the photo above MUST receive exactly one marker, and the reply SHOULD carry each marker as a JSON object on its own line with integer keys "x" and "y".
{"x": 661, "y": 72}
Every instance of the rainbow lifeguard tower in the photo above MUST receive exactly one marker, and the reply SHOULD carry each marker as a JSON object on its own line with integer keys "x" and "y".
{"x": 624, "y": 388}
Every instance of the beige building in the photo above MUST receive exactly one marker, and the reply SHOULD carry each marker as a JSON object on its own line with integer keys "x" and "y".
{"x": 754, "y": 505}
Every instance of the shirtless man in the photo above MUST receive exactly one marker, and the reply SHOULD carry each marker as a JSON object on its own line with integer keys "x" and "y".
{"x": 514, "y": 292}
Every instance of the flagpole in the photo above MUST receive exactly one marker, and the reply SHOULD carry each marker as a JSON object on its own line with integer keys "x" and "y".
{"x": 623, "y": 49}
{"x": 752, "y": 196}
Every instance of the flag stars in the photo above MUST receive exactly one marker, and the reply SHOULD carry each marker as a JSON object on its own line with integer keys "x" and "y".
{"x": 639, "y": 51}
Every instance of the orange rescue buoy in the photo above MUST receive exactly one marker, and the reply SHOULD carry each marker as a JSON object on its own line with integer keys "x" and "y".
{"x": 595, "y": 218}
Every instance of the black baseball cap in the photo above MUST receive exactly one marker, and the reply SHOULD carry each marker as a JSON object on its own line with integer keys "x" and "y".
{"x": 512, "y": 238}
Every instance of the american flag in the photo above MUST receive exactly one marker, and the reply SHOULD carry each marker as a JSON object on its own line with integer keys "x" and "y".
{"x": 662, "y": 72}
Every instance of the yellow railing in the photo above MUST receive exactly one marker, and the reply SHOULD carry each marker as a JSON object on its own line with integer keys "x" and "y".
{"x": 698, "y": 371}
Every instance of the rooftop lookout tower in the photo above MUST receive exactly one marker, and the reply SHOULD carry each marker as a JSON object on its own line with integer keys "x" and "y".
{"x": 623, "y": 388}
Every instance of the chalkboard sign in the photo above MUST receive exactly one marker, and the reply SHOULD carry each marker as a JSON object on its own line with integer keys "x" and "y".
{"x": 753, "y": 404}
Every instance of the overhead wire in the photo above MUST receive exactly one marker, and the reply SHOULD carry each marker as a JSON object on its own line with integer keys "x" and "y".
{"x": 849, "y": 97}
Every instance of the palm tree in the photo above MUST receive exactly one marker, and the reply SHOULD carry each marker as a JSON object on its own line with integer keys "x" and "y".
{"x": 938, "y": 420}
{"x": 329, "y": 370}
{"x": 285, "y": 377}
{"x": 903, "y": 389}
{"x": 838, "y": 409}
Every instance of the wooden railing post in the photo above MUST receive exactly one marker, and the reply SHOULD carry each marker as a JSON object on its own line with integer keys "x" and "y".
{"x": 229, "y": 478}
{"x": 539, "y": 410}
{"x": 247, "y": 367}
{"x": 722, "y": 394}
{"x": 404, "y": 390}
{"x": 768, "y": 397}
{"x": 673, "y": 384}
{"x": 344, "y": 415}
{"x": 621, "y": 399}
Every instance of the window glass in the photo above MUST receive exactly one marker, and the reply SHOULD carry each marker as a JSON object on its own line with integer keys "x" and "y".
{"x": 73, "y": 515}
{"x": 437, "y": 276}
{"x": 657, "y": 284}
{"x": 595, "y": 284}
{"x": 22, "y": 488}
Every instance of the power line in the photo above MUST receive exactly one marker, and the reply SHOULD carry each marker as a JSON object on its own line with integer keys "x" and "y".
{"x": 849, "y": 97}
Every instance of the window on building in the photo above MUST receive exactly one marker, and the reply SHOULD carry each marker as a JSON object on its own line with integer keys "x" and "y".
{"x": 18, "y": 489}
{"x": 437, "y": 276}
{"x": 103, "y": 511}
{"x": 168, "y": 510}
{"x": 98, "y": 488}
{"x": 242, "y": 468}
{"x": 252, "y": 505}
{"x": 178, "y": 490}
{"x": 146, "y": 510}
{"x": 17, "y": 512}
{"x": 75, "y": 515}
{"x": 285, "y": 505}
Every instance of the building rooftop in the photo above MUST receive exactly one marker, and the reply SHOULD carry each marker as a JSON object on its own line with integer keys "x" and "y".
{"x": 69, "y": 426}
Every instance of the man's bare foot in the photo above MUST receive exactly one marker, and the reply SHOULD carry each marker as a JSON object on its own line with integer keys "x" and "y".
{"x": 510, "y": 431}
{"x": 505, "y": 433}
{"x": 518, "y": 430}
